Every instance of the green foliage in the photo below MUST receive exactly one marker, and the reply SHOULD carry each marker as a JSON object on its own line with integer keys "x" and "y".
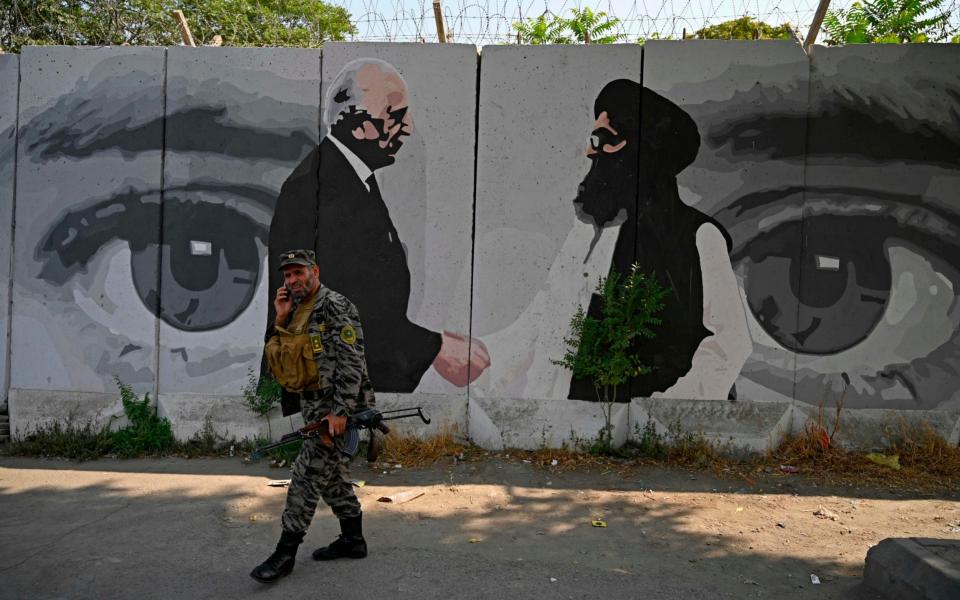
{"x": 589, "y": 27}
{"x": 285, "y": 455}
{"x": 653, "y": 37}
{"x": 744, "y": 28}
{"x": 888, "y": 22}
{"x": 298, "y": 23}
{"x": 650, "y": 443}
{"x": 542, "y": 30}
{"x": 147, "y": 433}
{"x": 63, "y": 441}
{"x": 604, "y": 350}
{"x": 261, "y": 393}
{"x": 585, "y": 27}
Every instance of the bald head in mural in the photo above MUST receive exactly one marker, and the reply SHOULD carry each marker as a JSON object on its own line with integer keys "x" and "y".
{"x": 332, "y": 202}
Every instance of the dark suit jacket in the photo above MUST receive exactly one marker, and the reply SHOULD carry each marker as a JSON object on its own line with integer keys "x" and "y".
{"x": 324, "y": 205}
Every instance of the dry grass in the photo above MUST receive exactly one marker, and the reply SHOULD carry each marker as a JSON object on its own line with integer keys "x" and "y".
{"x": 419, "y": 452}
{"x": 927, "y": 460}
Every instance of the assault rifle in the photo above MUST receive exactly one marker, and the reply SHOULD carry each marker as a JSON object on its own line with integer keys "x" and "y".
{"x": 370, "y": 418}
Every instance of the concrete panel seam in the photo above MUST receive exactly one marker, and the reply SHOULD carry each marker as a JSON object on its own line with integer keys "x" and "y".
{"x": 163, "y": 157}
{"x": 7, "y": 343}
{"x": 473, "y": 227}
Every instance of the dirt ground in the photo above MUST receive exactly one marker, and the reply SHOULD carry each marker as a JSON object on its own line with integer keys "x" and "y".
{"x": 497, "y": 528}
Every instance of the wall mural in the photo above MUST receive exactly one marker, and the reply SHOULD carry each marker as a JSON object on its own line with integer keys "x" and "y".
{"x": 373, "y": 171}
{"x": 803, "y": 212}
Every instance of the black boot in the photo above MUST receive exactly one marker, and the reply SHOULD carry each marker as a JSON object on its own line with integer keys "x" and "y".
{"x": 349, "y": 544}
{"x": 280, "y": 563}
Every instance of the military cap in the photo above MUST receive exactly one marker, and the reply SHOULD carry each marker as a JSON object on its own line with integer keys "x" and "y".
{"x": 306, "y": 258}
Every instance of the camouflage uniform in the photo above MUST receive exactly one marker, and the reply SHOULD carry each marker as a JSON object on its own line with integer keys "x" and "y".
{"x": 321, "y": 470}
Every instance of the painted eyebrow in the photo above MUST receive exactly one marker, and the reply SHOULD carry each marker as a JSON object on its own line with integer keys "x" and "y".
{"x": 246, "y": 141}
{"x": 882, "y": 132}
{"x": 940, "y": 227}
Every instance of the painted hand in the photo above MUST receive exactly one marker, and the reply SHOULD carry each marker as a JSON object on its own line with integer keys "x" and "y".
{"x": 461, "y": 359}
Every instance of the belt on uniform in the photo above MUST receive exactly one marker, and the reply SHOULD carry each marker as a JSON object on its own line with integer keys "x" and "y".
{"x": 316, "y": 394}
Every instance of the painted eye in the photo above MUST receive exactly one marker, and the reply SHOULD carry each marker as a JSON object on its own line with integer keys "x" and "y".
{"x": 211, "y": 253}
{"x": 856, "y": 285}
{"x": 830, "y": 293}
{"x": 210, "y": 266}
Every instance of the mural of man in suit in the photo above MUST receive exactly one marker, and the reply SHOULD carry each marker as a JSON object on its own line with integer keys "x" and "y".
{"x": 332, "y": 202}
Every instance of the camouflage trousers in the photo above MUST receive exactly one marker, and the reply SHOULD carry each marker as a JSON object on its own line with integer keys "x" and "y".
{"x": 319, "y": 471}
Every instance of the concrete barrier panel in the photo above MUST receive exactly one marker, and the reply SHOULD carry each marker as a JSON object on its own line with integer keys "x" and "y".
{"x": 531, "y": 424}
{"x": 740, "y": 200}
{"x": 32, "y": 410}
{"x": 738, "y": 428}
{"x": 88, "y": 218}
{"x": 538, "y": 253}
{"x": 238, "y": 122}
{"x": 9, "y": 85}
{"x": 880, "y": 277}
{"x": 447, "y": 414}
{"x": 878, "y": 429}
{"x": 394, "y": 206}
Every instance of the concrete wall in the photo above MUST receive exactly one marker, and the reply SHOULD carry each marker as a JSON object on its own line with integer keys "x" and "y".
{"x": 9, "y": 87}
{"x": 803, "y": 211}
{"x": 533, "y": 262}
{"x": 237, "y": 124}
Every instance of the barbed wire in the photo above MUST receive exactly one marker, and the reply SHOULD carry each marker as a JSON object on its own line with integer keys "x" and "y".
{"x": 483, "y": 22}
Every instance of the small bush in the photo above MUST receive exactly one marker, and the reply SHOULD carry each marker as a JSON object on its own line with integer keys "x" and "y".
{"x": 690, "y": 448}
{"x": 649, "y": 444}
{"x": 261, "y": 394}
{"x": 146, "y": 434}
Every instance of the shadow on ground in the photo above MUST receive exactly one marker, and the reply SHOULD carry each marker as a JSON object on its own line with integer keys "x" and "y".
{"x": 488, "y": 530}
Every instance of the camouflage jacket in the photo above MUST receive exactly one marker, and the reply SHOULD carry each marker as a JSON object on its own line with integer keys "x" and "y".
{"x": 336, "y": 337}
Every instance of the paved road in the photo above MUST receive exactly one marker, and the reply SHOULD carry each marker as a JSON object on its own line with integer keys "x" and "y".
{"x": 499, "y": 530}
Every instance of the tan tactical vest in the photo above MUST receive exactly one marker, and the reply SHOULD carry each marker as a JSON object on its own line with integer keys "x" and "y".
{"x": 290, "y": 353}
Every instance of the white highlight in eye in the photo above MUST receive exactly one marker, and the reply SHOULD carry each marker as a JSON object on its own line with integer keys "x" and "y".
{"x": 828, "y": 263}
{"x": 201, "y": 248}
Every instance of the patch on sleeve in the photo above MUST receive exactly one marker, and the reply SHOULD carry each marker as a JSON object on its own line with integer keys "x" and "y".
{"x": 316, "y": 344}
{"x": 348, "y": 334}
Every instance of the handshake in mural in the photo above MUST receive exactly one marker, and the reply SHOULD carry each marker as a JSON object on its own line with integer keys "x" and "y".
{"x": 461, "y": 358}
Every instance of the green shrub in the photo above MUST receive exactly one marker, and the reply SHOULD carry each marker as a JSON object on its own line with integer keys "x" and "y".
{"x": 147, "y": 433}
{"x": 261, "y": 394}
{"x": 604, "y": 350}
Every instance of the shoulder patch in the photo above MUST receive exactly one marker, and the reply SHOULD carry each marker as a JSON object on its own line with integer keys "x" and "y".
{"x": 348, "y": 334}
{"x": 316, "y": 345}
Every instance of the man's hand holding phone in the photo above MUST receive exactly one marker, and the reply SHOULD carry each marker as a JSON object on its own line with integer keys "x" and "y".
{"x": 282, "y": 303}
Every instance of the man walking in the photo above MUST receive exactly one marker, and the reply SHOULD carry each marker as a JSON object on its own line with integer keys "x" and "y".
{"x": 315, "y": 350}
